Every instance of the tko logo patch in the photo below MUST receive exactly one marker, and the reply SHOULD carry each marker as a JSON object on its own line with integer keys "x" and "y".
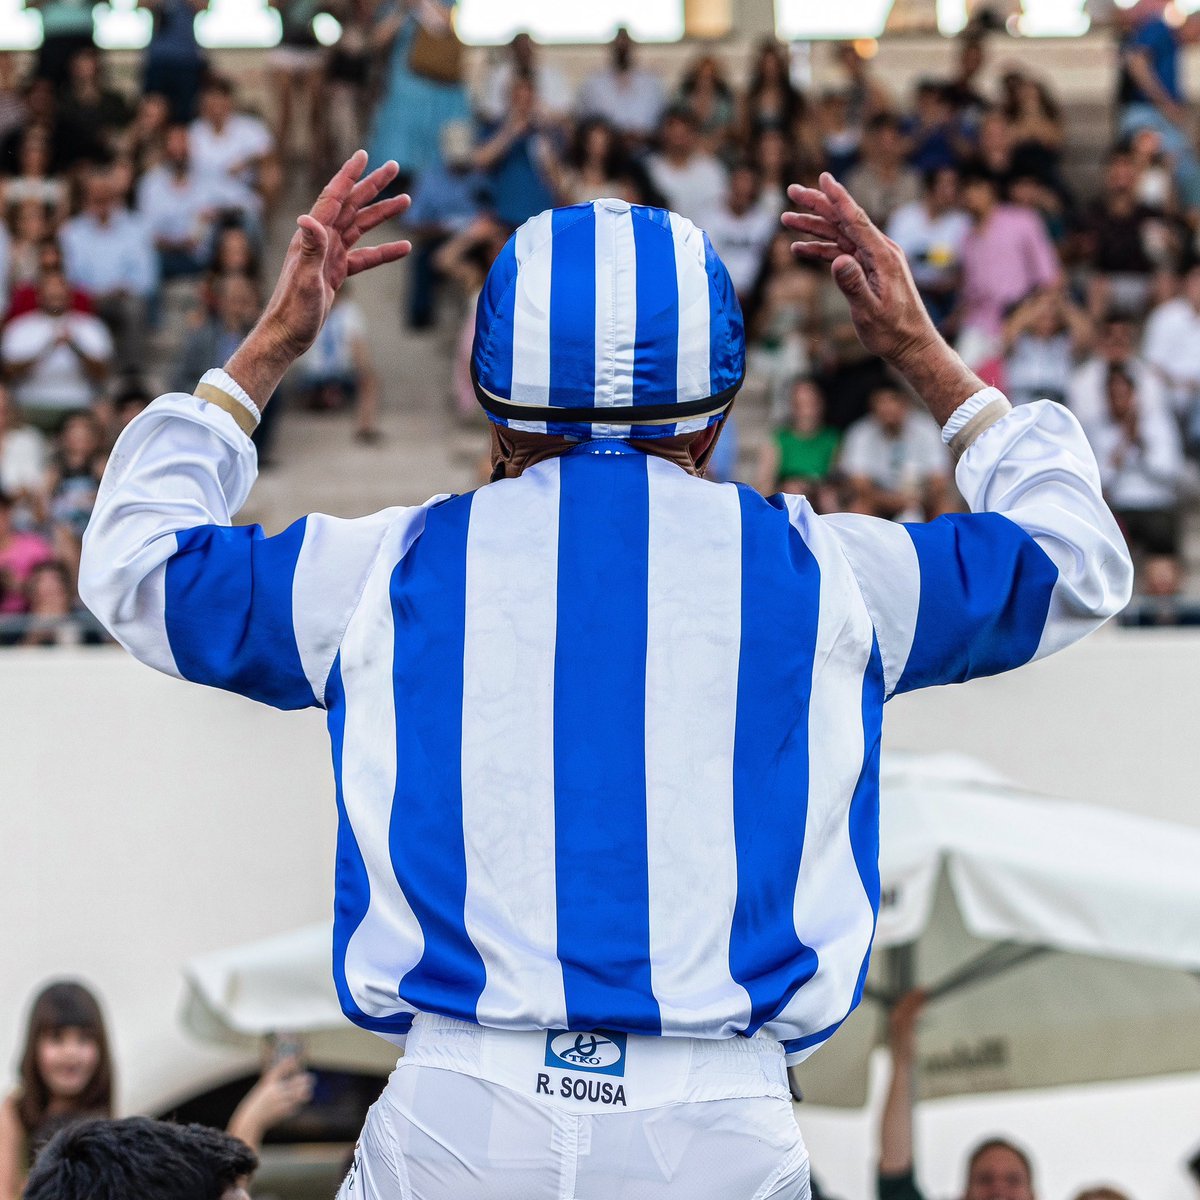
{"x": 596, "y": 1052}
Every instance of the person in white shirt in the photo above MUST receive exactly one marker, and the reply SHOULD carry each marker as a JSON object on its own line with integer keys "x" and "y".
{"x": 691, "y": 182}
{"x": 629, "y": 98}
{"x": 522, "y": 58}
{"x": 1171, "y": 345}
{"x": 741, "y": 228}
{"x": 931, "y": 232}
{"x": 894, "y": 460}
{"x": 108, "y": 252}
{"x": 22, "y": 453}
{"x": 230, "y": 145}
{"x": 56, "y": 360}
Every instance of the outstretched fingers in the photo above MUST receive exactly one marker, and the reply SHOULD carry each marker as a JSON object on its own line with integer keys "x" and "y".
{"x": 816, "y": 227}
{"x": 376, "y": 214}
{"x": 849, "y": 217}
{"x": 338, "y": 190}
{"x": 368, "y": 257}
{"x": 366, "y": 191}
{"x": 818, "y": 251}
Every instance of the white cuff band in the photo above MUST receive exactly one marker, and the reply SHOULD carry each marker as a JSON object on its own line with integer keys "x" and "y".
{"x": 971, "y": 418}
{"x": 217, "y": 387}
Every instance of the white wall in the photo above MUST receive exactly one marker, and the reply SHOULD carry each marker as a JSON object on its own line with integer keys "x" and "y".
{"x": 143, "y": 821}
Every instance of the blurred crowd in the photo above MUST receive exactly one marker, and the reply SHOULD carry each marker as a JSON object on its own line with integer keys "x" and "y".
{"x": 134, "y": 221}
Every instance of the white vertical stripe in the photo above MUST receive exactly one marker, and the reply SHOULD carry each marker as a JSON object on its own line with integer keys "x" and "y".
{"x": 694, "y": 368}
{"x": 531, "y": 318}
{"x": 388, "y": 942}
{"x": 884, "y": 561}
{"x": 691, "y": 705}
{"x": 616, "y": 307}
{"x": 832, "y": 912}
{"x": 508, "y": 749}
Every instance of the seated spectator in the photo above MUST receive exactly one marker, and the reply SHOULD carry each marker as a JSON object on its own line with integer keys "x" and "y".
{"x": 116, "y": 1160}
{"x": 66, "y": 1074}
{"x": 1044, "y": 338}
{"x": 1171, "y": 345}
{"x": 628, "y": 97}
{"x": 777, "y": 167}
{"x": 705, "y": 94}
{"x": 1035, "y": 128}
{"x": 1155, "y": 185}
{"x": 799, "y": 457}
{"x": 1115, "y": 345}
{"x": 1124, "y": 240}
{"x": 932, "y": 232}
{"x": 691, "y": 181}
{"x": 142, "y": 145}
{"x": 963, "y": 89}
{"x": 69, "y": 146}
{"x": 520, "y": 157}
{"x": 337, "y": 368}
{"x": 98, "y": 111}
{"x": 27, "y": 228}
{"x": 108, "y": 251}
{"x": 932, "y": 131}
{"x": 1005, "y": 257}
{"x": 895, "y": 461}
{"x": 523, "y": 58}
{"x": 1141, "y": 469}
{"x": 21, "y": 551}
{"x": 57, "y": 360}
{"x": 22, "y": 454}
{"x": 67, "y": 27}
{"x": 596, "y": 165}
{"x": 34, "y": 178}
{"x": 771, "y": 100}
{"x": 867, "y": 96}
{"x": 840, "y": 137}
{"x": 448, "y": 196}
{"x": 237, "y": 303}
{"x": 73, "y": 481}
{"x": 53, "y": 616}
{"x": 47, "y": 259}
{"x": 230, "y": 147}
{"x": 996, "y": 1169}
{"x": 882, "y": 182}
{"x": 741, "y": 227}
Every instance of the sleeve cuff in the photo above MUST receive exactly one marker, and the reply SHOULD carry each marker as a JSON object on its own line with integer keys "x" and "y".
{"x": 222, "y": 390}
{"x": 971, "y": 418}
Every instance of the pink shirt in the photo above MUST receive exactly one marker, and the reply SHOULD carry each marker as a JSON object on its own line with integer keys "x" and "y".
{"x": 17, "y": 560}
{"x": 1002, "y": 262}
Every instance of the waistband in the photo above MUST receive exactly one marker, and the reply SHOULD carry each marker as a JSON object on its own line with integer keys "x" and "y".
{"x": 597, "y": 1071}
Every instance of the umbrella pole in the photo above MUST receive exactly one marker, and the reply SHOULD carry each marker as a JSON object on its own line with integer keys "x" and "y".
{"x": 902, "y": 978}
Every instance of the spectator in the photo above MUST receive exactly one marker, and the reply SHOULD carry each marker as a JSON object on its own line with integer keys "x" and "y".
{"x": 174, "y": 66}
{"x": 73, "y": 480}
{"x": 741, "y": 227}
{"x": 67, "y": 26}
{"x": 108, "y": 251}
{"x": 56, "y": 359}
{"x": 237, "y": 301}
{"x": 799, "y": 457}
{"x": 1035, "y": 128}
{"x": 68, "y": 146}
{"x": 523, "y": 58}
{"x": 115, "y": 1160}
{"x": 34, "y": 179}
{"x": 348, "y": 76}
{"x": 1141, "y": 468}
{"x": 143, "y": 142}
{"x": 868, "y": 98}
{"x": 777, "y": 169}
{"x": 629, "y": 97}
{"x": 690, "y": 181}
{"x": 45, "y": 257}
{"x": 771, "y": 100}
{"x": 127, "y": 403}
{"x": 282, "y": 1091}
{"x": 1045, "y": 336}
{"x": 894, "y": 460}
{"x": 98, "y": 111}
{"x": 706, "y": 95}
{"x": 597, "y": 164}
{"x": 414, "y": 106}
{"x": 20, "y": 249}
{"x": 963, "y": 90}
{"x": 21, "y": 552}
{"x": 1150, "y": 91}
{"x": 1126, "y": 242}
{"x": 53, "y": 617}
{"x": 520, "y": 157}
{"x": 232, "y": 148}
{"x": 449, "y": 195}
{"x": 296, "y": 71}
{"x": 881, "y": 182}
{"x": 22, "y": 455}
{"x": 1171, "y": 346}
{"x": 1155, "y": 185}
{"x": 12, "y": 103}
{"x": 932, "y": 232}
{"x": 1005, "y": 257}
{"x": 932, "y": 130}
{"x": 66, "y": 1076}
{"x": 338, "y": 368}
{"x": 840, "y": 137}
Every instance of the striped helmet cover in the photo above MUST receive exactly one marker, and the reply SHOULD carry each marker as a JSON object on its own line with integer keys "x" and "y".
{"x": 608, "y": 320}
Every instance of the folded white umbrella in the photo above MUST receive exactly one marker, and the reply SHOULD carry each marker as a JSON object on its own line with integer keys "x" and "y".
{"x": 1059, "y": 942}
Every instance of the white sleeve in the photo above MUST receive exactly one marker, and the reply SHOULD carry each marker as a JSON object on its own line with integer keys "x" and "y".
{"x": 188, "y": 593}
{"x": 1037, "y": 564}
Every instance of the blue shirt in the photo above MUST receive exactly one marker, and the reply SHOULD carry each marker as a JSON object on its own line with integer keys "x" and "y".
{"x": 519, "y": 189}
{"x": 1156, "y": 38}
{"x": 443, "y": 196}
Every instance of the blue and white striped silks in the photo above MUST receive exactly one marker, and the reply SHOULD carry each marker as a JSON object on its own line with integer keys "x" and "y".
{"x": 608, "y": 320}
{"x": 605, "y": 736}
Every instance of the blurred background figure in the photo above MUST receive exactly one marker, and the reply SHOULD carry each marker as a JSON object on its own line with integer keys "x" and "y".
{"x": 800, "y": 457}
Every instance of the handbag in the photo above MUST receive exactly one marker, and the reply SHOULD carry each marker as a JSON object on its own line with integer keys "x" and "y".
{"x": 436, "y": 54}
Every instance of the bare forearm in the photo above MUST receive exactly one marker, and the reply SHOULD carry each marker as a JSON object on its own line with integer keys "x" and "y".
{"x": 896, "y": 1125}
{"x": 936, "y": 373}
{"x": 260, "y": 363}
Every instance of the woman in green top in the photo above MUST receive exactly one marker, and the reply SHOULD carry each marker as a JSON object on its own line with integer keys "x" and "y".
{"x": 800, "y": 455}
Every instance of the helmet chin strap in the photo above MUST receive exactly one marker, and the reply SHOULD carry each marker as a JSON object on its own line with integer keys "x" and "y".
{"x": 514, "y": 450}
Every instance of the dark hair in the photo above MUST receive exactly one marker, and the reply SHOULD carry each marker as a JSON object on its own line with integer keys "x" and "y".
{"x": 883, "y": 120}
{"x": 1119, "y": 371}
{"x": 218, "y": 83}
{"x": 999, "y": 1143}
{"x": 929, "y": 176}
{"x": 63, "y": 1005}
{"x": 615, "y": 161}
{"x": 116, "y": 1160}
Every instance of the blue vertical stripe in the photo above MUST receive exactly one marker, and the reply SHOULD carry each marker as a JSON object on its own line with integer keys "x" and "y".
{"x": 601, "y": 853}
{"x": 352, "y": 891}
{"x": 573, "y": 316}
{"x": 780, "y": 596}
{"x": 726, "y": 329}
{"x": 229, "y": 612}
{"x": 656, "y": 341}
{"x": 985, "y": 594}
{"x": 495, "y": 323}
{"x": 428, "y": 596}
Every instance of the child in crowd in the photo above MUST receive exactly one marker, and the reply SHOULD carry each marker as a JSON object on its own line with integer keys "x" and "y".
{"x": 66, "y": 1075}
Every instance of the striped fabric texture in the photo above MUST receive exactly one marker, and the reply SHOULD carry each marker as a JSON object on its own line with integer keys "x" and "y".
{"x": 605, "y": 737}
{"x": 608, "y": 320}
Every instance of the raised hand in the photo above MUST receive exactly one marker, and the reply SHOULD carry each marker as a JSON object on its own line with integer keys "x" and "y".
{"x": 868, "y": 266}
